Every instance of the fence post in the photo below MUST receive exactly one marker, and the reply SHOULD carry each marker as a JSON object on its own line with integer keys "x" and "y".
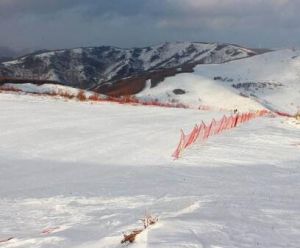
{"x": 179, "y": 148}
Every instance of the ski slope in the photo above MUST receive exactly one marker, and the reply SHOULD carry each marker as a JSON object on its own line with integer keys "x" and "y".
{"x": 76, "y": 174}
{"x": 271, "y": 79}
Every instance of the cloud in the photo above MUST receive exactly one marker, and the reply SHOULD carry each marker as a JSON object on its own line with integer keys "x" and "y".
{"x": 68, "y": 23}
{"x": 45, "y": 7}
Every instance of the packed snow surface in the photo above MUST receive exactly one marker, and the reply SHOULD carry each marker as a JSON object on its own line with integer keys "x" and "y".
{"x": 78, "y": 175}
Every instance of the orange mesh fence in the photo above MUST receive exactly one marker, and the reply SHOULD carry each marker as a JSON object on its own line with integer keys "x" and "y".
{"x": 283, "y": 114}
{"x": 202, "y": 132}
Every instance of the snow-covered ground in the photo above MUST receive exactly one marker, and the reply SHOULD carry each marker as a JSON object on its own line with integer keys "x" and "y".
{"x": 272, "y": 79}
{"x": 41, "y": 89}
{"x": 199, "y": 92}
{"x": 89, "y": 172}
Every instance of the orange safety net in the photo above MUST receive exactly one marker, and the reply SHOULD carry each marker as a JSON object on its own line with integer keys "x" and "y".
{"x": 202, "y": 131}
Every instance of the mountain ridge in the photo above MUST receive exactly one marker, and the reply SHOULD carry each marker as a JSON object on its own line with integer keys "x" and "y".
{"x": 91, "y": 67}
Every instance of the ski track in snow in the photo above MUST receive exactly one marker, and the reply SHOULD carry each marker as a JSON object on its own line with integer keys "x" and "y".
{"x": 79, "y": 175}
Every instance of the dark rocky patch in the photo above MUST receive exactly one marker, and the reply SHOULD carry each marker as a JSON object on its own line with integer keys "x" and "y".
{"x": 179, "y": 92}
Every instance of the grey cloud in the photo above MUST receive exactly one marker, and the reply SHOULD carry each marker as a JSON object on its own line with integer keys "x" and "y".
{"x": 42, "y": 7}
{"x": 69, "y": 23}
{"x": 23, "y": 7}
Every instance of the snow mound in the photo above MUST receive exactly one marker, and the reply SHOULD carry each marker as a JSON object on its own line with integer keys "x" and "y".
{"x": 41, "y": 89}
{"x": 47, "y": 89}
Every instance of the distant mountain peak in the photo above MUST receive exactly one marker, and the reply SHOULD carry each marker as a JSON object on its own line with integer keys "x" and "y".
{"x": 88, "y": 67}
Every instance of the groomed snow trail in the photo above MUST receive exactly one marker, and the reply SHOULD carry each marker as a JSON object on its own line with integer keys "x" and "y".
{"x": 88, "y": 172}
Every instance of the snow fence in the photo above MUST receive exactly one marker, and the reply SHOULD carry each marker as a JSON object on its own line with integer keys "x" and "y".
{"x": 202, "y": 131}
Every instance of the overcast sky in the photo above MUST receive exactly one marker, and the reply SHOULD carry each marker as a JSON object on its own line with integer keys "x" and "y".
{"x": 52, "y": 24}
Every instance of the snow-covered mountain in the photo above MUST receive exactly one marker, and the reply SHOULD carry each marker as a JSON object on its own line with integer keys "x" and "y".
{"x": 82, "y": 174}
{"x": 92, "y": 66}
{"x": 271, "y": 79}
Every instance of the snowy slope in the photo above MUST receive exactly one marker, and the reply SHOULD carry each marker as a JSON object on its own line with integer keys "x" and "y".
{"x": 87, "y": 67}
{"x": 198, "y": 92}
{"x": 272, "y": 79}
{"x": 42, "y": 89}
{"x": 88, "y": 172}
